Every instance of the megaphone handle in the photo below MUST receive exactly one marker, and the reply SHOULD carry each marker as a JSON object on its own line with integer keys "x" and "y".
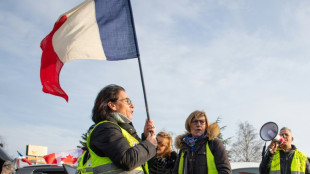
{"x": 264, "y": 148}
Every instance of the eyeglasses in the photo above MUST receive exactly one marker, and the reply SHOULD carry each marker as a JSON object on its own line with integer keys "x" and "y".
{"x": 161, "y": 144}
{"x": 127, "y": 100}
{"x": 284, "y": 134}
{"x": 202, "y": 122}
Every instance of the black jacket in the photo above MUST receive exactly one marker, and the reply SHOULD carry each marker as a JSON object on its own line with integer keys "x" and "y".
{"x": 107, "y": 140}
{"x": 195, "y": 162}
{"x": 285, "y": 162}
{"x": 162, "y": 165}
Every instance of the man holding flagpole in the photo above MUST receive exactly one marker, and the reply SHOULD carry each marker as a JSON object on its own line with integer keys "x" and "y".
{"x": 114, "y": 144}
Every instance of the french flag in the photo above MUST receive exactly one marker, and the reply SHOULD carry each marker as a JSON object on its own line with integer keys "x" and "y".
{"x": 24, "y": 159}
{"x": 95, "y": 29}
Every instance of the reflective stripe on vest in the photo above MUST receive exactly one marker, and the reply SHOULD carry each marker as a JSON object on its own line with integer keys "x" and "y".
{"x": 210, "y": 162}
{"x": 181, "y": 163}
{"x": 211, "y": 165}
{"x": 298, "y": 165}
{"x": 104, "y": 164}
{"x": 86, "y": 168}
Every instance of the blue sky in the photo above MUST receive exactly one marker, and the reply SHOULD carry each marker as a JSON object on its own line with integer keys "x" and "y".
{"x": 241, "y": 60}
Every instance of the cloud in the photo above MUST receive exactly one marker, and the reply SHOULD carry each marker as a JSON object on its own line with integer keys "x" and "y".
{"x": 241, "y": 60}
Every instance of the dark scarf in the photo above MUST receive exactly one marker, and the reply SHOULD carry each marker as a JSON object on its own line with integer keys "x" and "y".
{"x": 191, "y": 141}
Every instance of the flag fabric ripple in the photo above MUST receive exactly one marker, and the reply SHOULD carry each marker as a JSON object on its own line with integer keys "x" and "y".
{"x": 66, "y": 157}
{"x": 24, "y": 159}
{"x": 95, "y": 29}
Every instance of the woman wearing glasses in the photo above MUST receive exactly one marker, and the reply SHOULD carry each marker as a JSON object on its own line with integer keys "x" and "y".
{"x": 113, "y": 143}
{"x": 200, "y": 150}
{"x": 163, "y": 162}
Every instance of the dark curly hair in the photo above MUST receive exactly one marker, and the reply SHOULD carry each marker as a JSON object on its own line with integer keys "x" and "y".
{"x": 101, "y": 109}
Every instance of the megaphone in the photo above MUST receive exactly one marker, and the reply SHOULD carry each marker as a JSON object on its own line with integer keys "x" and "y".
{"x": 269, "y": 131}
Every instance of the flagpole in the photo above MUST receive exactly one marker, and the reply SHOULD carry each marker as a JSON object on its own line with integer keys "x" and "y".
{"x": 139, "y": 61}
{"x": 143, "y": 87}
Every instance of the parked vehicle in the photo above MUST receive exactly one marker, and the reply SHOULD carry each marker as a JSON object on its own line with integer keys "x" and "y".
{"x": 245, "y": 168}
{"x": 47, "y": 169}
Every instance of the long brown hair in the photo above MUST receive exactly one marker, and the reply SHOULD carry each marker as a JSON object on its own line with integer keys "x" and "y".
{"x": 101, "y": 109}
{"x": 168, "y": 137}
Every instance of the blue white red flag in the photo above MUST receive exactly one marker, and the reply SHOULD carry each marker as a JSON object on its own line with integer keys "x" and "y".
{"x": 95, "y": 29}
{"x": 24, "y": 159}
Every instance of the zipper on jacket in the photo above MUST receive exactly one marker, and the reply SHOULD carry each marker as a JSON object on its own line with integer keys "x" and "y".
{"x": 286, "y": 161}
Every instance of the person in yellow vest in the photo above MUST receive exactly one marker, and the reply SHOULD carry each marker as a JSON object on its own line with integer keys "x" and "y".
{"x": 201, "y": 152}
{"x": 84, "y": 162}
{"x": 285, "y": 158}
{"x": 114, "y": 144}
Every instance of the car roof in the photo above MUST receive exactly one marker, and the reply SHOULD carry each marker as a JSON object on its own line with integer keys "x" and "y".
{"x": 40, "y": 168}
{"x": 238, "y": 165}
{"x": 47, "y": 169}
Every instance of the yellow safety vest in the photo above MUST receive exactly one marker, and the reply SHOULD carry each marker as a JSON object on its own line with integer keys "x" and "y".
{"x": 210, "y": 162}
{"x": 84, "y": 168}
{"x": 298, "y": 165}
{"x": 105, "y": 165}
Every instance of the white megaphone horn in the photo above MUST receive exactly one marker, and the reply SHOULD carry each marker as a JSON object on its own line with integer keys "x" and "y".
{"x": 269, "y": 131}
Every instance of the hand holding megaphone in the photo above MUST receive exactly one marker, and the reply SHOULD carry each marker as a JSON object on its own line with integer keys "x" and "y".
{"x": 279, "y": 139}
{"x": 275, "y": 143}
{"x": 273, "y": 147}
{"x": 269, "y": 132}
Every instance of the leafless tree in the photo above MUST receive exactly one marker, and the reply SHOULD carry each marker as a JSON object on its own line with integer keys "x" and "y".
{"x": 248, "y": 146}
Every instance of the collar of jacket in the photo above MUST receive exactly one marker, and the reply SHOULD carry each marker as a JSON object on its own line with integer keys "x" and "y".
{"x": 212, "y": 133}
{"x": 120, "y": 118}
{"x": 288, "y": 151}
{"x": 124, "y": 122}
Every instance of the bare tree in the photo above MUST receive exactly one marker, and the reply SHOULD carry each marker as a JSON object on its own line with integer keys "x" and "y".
{"x": 246, "y": 148}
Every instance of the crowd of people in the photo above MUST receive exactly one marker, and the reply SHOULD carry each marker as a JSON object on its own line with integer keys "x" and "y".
{"x": 115, "y": 147}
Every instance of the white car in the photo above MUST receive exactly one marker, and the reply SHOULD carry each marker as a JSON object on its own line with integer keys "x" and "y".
{"x": 244, "y": 167}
